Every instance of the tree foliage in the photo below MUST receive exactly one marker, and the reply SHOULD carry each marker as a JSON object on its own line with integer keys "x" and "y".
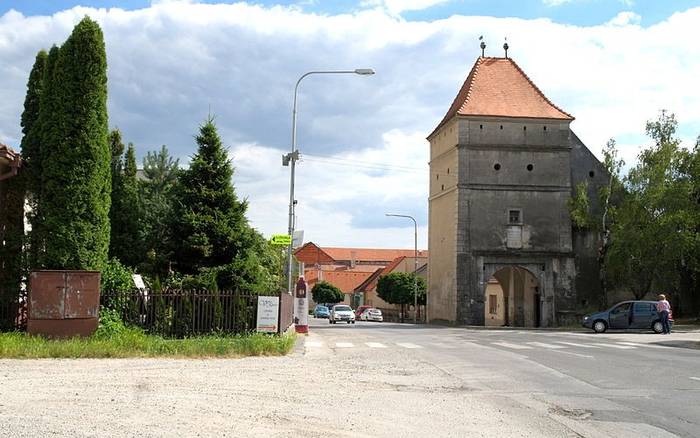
{"x": 75, "y": 199}
{"x": 325, "y": 292}
{"x": 208, "y": 217}
{"x": 398, "y": 288}
{"x": 126, "y": 241}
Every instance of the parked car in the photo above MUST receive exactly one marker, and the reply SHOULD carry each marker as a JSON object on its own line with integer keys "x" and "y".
{"x": 321, "y": 311}
{"x": 641, "y": 315}
{"x": 371, "y": 314}
{"x": 341, "y": 312}
{"x": 361, "y": 309}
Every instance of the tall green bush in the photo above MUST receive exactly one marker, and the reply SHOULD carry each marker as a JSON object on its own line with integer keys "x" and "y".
{"x": 75, "y": 154}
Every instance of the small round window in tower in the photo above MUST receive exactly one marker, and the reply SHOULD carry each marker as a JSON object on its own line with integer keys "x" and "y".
{"x": 591, "y": 174}
{"x": 481, "y": 126}
{"x": 524, "y": 128}
{"x": 501, "y": 126}
{"x": 544, "y": 128}
{"x": 530, "y": 167}
{"x": 497, "y": 166}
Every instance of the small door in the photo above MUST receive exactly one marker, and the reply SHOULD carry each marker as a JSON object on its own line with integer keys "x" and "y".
{"x": 620, "y": 316}
{"x": 82, "y": 295}
{"x": 47, "y": 295}
{"x": 643, "y": 314}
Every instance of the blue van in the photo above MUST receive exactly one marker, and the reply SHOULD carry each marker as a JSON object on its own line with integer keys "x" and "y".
{"x": 641, "y": 315}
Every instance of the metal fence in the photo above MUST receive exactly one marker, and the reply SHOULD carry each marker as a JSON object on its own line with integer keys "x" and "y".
{"x": 13, "y": 310}
{"x": 181, "y": 313}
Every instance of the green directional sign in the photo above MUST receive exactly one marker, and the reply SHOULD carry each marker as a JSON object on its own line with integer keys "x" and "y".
{"x": 281, "y": 239}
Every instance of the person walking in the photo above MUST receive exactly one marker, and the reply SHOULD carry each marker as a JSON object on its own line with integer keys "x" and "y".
{"x": 664, "y": 308}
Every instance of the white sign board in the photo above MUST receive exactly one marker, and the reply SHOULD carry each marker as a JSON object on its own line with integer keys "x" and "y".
{"x": 268, "y": 312}
{"x": 138, "y": 281}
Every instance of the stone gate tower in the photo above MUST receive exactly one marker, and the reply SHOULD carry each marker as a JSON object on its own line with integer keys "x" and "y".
{"x": 503, "y": 164}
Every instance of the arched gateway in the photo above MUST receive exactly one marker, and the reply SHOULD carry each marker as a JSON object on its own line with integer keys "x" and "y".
{"x": 512, "y": 297}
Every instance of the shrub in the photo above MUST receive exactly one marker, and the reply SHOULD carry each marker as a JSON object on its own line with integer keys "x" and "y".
{"x": 110, "y": 325}
{"x": 116, "y": 277}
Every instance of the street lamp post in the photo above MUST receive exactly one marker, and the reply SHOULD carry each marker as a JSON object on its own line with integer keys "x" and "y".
{"x": 291, "y": 159}
{"x": 415, "y": 263}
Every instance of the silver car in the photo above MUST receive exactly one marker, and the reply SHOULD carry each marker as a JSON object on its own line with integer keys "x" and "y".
{"x": 341, "y": 312}
{"x": 371, "y": 315}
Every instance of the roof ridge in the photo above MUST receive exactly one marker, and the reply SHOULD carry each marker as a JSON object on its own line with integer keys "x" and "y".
{"x": 522, "y": 72}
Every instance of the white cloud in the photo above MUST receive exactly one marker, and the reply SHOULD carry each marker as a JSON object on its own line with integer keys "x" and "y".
{"x": 625, "y": 19}
{"x": 171, "y": 62}
{"x": 396, "y": 7}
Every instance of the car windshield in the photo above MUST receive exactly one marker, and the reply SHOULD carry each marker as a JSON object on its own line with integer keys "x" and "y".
{"x": 342, "y": 309}
{"x": 321, "y": 308}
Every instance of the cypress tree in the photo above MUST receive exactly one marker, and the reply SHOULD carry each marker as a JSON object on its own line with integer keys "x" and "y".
{"x": 31, "y": 150}
{"x": 75, "y": 155}
{"x": 125, "y": 241}
{"x": 209, "y": 220}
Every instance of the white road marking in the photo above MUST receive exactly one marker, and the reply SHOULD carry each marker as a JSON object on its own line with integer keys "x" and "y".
{"x": 407, "y": 345}
{"x": 375, "y": 345}
{"x": 574, "y": 344}
{"x": 443, "y": 345}
{"x": 621, "y": 347}
{"x": 635, "y": 344}
{"x": 344, "y": 345}
{"x": 543, "y": 345}
{"x": 695, "y": 378}
{"x": 574, "y": 354}
{"x": 513, "y": 346}
{"x": 314, "y": 344}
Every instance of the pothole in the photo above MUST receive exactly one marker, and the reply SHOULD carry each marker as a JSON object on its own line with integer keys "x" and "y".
{"x": 576, "y": 414}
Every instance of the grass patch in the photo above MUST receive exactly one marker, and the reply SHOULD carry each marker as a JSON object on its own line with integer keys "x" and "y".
{"x": 131, "y": 342}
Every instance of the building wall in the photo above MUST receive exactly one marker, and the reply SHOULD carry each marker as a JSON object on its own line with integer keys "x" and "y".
{"x": 495, "y": 155}
{"x": 442, "y": 218}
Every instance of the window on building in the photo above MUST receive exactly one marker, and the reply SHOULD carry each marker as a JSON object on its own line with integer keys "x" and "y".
{"x": 514, "y": 216}
{"x": 493, "y": 304}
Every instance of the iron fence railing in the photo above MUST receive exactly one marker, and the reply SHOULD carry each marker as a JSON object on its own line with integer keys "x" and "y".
{"x": 13, "y": 310}
{"x": 181, "y": 313}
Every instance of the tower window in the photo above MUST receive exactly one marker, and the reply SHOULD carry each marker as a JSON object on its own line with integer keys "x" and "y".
{"x": 545, "y": 128}
{"x": 481, "y": 126}
{"x": 443, "y": 187}
{"x": 497, "y": 166}
{"x": 515, "y": 216}
{"x": 437, "y": 176}
{"x": 530, "y": 167}
{"x": 501, "y": 126}
{"x": 524, "y": 128}
{"x": 591, "y": 174}
{"x": 448, "y": 170}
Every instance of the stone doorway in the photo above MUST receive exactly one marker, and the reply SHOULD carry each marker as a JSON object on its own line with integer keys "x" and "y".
{"x": 512, "y": 298}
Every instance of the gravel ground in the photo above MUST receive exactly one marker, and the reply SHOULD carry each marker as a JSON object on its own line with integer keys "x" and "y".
{"x": 304, "y": 394}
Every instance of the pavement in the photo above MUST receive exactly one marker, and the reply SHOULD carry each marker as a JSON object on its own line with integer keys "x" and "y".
{"x": 613, "y": 384}
{"x": 374, "y": 380}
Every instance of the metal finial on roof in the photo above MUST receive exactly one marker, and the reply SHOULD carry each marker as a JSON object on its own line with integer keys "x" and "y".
{"x": 482, "y": 45}
{"x": 505, "y": 47}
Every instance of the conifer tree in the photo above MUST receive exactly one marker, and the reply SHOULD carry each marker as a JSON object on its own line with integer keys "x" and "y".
{"x": 125, "y": 214}
{"x": 209, "y": 219}
{"x": 75, "y": 152}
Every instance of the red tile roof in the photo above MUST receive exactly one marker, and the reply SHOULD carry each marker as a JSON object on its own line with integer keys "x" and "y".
{"x": 370, "y": 254}
{"x": 498, "y": 87}
{"x": 346, "y": 281}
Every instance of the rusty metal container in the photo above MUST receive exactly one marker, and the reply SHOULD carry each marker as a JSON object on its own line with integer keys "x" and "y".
{"x": 63, "y": 303}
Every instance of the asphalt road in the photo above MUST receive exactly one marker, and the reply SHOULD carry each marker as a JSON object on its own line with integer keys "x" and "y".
{"x": 612, "y": 384}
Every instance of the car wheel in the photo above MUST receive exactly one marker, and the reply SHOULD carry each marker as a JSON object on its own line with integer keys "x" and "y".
{"x": 657, "y": 327}
{"x": 600, "y": 326}
{"x": 353, "y": 322}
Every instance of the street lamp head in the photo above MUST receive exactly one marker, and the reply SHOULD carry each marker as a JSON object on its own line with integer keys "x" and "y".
{"x": 364, "y": 71}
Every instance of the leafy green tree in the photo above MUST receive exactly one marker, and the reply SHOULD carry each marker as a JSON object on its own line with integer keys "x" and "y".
{"x": 325, "y": 292}
{"x": 75, "y": 153}
{"x": 209, "y": 220}
{"x": 398, "y": 288}
{"x": 31, "y": 150}
{"x": 156, "y": 199}
{"x": 126, "y": 241}
{"x": 654, "y": 230}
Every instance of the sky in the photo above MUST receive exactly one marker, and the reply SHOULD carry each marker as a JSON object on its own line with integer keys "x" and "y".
{"x": 612, "y": 64}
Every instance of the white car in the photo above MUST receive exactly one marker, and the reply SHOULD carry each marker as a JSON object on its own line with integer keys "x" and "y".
{"x": 341, "y": 312}
{"x": 371, "y": 315}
